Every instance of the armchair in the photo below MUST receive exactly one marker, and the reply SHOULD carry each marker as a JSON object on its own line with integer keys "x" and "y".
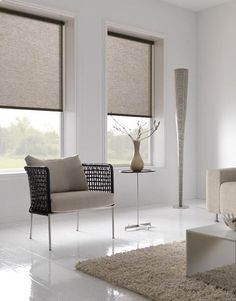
{"x": 97, "y": 189}
{"x": 221, "y": 191}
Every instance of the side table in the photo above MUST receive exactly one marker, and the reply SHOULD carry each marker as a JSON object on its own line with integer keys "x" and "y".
{"x": 137, "y": 226}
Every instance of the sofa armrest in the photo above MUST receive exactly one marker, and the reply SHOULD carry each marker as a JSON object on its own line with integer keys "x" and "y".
{"x": 99, "y": 177}
{"x": 215, "y": 178}
{"x": 39, "y": 185}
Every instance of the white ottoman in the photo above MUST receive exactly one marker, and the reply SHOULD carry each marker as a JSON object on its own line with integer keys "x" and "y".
{"x": 209, "y": 247}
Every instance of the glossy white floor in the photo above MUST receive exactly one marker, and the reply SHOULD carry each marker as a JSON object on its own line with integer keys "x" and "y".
{"x": 28, "y": 271}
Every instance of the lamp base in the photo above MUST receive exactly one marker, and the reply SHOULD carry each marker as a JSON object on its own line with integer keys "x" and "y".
{"x": 180, "y": 207}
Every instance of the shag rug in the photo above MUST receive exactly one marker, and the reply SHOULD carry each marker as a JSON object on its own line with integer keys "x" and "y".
{"x": 158, "y": 273}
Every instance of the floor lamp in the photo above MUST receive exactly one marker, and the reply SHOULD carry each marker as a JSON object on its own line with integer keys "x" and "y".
{"x": 181, "y": 90}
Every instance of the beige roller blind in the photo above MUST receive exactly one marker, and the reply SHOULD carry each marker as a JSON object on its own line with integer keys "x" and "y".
{"x": 30, "y": 62}
{"x": 129, "y": 75}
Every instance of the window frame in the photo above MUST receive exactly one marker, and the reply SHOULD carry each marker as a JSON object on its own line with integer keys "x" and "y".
{"x": 143, "y": 39}
{"x": 36, "y": 16}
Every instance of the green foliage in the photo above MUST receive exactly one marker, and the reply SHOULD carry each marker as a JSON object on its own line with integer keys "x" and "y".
{"x": 20, "y": 139}
{"x": 120, "y": 149}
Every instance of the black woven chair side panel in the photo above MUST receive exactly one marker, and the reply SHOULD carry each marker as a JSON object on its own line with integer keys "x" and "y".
{"x": 39, "y": 186}
{"x": 99, "y": 177}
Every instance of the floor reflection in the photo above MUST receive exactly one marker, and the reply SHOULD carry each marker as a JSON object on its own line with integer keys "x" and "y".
{"x": 113, "y": 294}
{"x": 15, "y": 285}
{"x": 116, "y": 247}
{"x": 28, "y": 271}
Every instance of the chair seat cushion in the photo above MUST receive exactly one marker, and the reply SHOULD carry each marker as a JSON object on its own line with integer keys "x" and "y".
{"x": 228, "y": 197}
{"x": 76, "y": 200}
{"x": 66, "y": 174}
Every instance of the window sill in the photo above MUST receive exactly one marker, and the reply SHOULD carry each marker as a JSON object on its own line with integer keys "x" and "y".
{"x": 11, "y": 173}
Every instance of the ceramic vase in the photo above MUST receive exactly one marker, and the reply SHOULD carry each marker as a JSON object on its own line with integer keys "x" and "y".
{"x": 181, "y": 89}
{"x": 137, "y": 161}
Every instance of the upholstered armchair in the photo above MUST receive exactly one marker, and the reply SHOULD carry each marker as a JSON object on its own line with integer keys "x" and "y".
{"x": 221, "y": 191}
{"x": 66, "y": 185}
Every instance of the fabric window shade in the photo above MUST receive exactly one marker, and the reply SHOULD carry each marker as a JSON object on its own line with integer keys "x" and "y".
{"x": 129, "y": 76}
{"x": 30, "y": 62}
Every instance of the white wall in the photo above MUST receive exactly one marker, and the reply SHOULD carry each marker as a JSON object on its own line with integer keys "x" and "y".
{"x": 216, "y": 100}
{"x": 178, "y": 27}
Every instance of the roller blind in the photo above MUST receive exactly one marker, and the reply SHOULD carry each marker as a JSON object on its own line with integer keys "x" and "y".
{"x": 129, "y": 75}
{"x": 30, "y": 62}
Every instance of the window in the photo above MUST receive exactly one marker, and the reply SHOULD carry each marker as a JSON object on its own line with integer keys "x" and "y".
{"x": 31, "y": 81}
{"x": 25, "y": 132}
{"x": 129, "y": 92}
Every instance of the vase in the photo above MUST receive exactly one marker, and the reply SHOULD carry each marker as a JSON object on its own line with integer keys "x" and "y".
{"x": 181, "y": 89}
{"x": 137, "y": 161}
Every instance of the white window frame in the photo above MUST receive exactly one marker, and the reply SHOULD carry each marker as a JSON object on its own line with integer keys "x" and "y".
{"x": 158, "y": 83}
{"x": 68, "y": 124}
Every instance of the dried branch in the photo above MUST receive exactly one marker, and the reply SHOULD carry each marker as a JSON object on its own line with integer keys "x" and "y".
{"x": 151, "y": 132}
{"x": 140, "y": 127}
{"x": 140, "y": 132}
{"x": 122, "y": 128}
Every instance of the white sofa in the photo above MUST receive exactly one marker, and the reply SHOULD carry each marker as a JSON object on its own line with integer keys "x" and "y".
{"x": 221, "y": 191}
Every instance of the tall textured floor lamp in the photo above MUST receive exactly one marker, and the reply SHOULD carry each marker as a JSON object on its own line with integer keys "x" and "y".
{"x": 181, "y": 89}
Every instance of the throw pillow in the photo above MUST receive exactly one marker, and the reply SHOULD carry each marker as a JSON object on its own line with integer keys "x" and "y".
{"x": 66, "y": 174}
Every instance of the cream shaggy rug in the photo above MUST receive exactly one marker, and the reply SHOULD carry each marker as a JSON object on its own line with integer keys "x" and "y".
{"x": 159, "y": 273}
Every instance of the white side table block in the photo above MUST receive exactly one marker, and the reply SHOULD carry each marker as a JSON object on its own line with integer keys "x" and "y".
{"x": 209, "y": 247}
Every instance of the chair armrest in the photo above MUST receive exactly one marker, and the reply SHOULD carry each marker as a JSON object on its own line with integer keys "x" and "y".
{"x": 215, "y": 178}
{"x": 99, "y": 177}
{"x": 39, "y": 185}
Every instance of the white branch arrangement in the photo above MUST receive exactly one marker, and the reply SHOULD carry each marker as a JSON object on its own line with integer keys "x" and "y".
{"x": 141, "y": 132}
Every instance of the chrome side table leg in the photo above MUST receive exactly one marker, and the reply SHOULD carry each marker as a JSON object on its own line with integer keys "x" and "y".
{"x": 137, "y": 196}
{"x": 138, "y": 226}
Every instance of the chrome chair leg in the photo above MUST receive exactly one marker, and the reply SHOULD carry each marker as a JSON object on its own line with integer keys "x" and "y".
{"x": 113, "y": 224}
{"x": 31, "y": 225}
{"x": 49, "y": 232}
{"x": 77, "y": 224}
{"x": 217, "y": 218}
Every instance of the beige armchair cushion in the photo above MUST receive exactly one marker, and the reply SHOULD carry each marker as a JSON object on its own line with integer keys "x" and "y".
{"x": 77, "y": 200}
{"x": 228, "y": 197}
{"x": 66, "y": 174}
{"x": 220, "y": 190}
